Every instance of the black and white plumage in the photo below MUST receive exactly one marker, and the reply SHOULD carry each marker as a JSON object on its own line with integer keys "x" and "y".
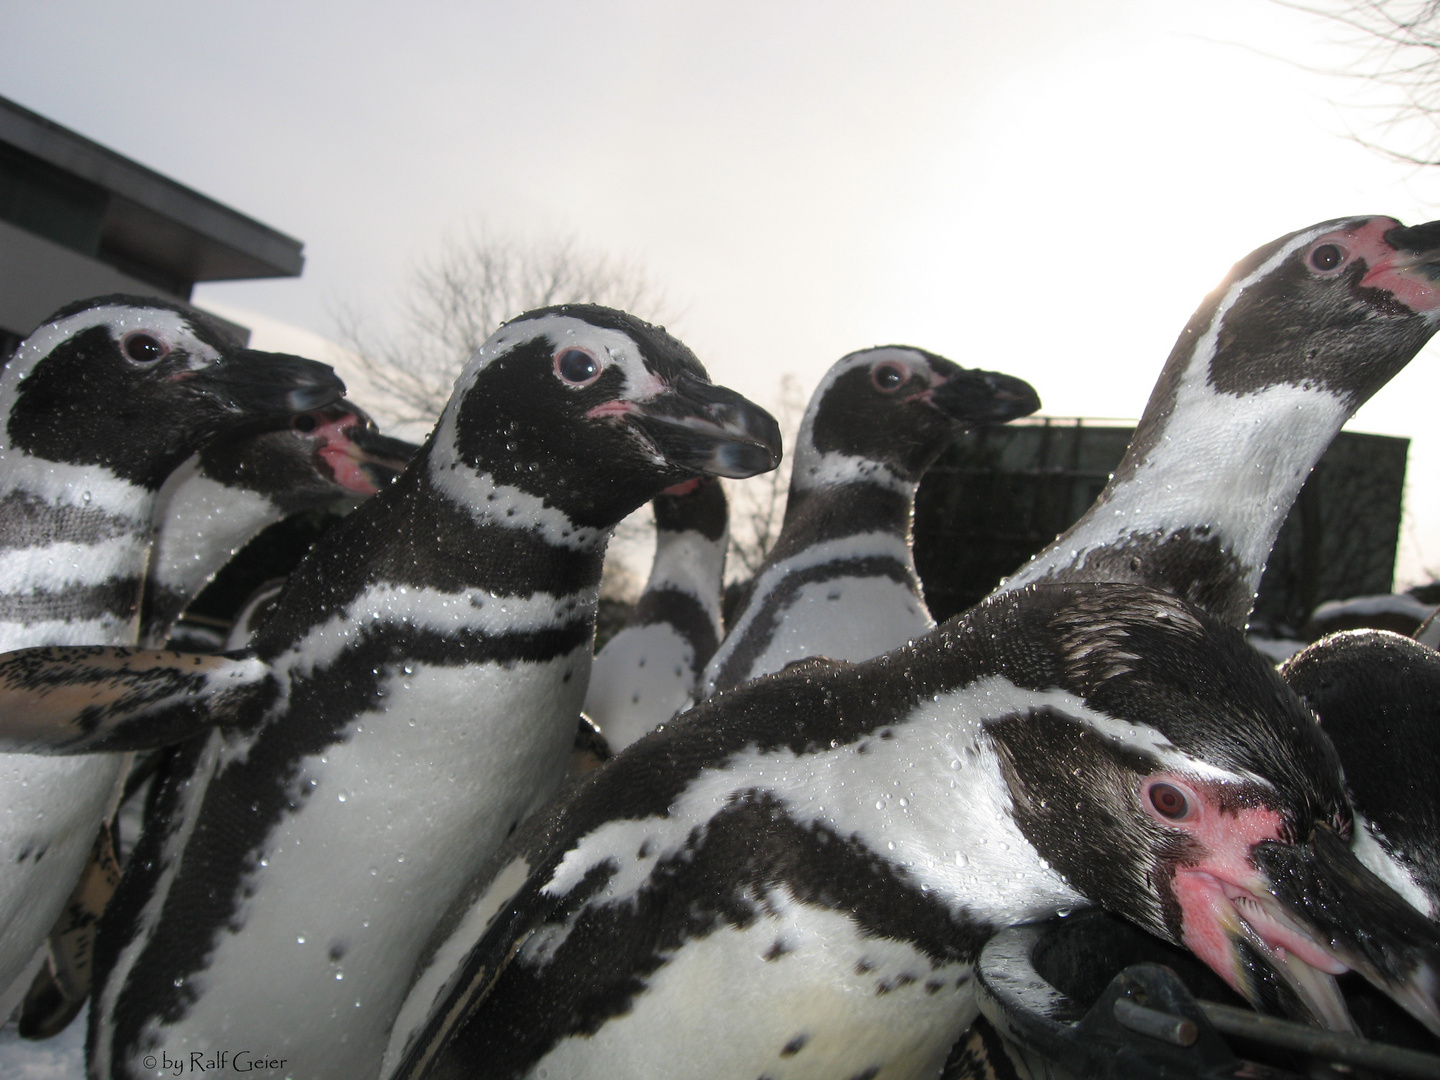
{"x": 840, "y": 581}
{"x": 647, "y": 672}
{"x": 411, "y": 698}
{"x": 224, "y": 495}
{"x": 1274, "y": 361}
{"x": 99, "y": 405}
{"x": 794, "y": 880}
{"x": 1378, "y": 698}
{"x": 1300, "y": 334}
{"x": 207, "y": 509}
{"x": 252, "y": 614}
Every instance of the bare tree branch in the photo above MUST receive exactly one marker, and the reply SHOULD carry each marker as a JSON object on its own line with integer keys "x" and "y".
{"x": 757, "y": 505}
{"x": 1397, "y": 51}
{"x": 456, "y": 299}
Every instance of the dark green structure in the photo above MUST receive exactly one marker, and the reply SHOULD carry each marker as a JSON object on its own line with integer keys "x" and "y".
{"x": 1001, "y": 494}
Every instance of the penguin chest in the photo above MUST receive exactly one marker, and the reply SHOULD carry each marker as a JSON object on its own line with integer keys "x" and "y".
{"x": 642, "y": 678}
{"x": 799, "y": 992}
{"x": 204, "y": 524}
{"x": 844, "y": 618}
{"x": 381, "y": 830}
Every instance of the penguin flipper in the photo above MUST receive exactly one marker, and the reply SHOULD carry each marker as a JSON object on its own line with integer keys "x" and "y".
{"x": 86, "y": 699}
{"x": 63, "y": 982}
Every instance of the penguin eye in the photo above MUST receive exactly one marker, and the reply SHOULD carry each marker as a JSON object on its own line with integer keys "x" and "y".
{"x": 1327, "y": 257}
{"x": 143, "y": 348}
{"x": 576, "y": 366}
{"x": 1169, "y": 801}
{"x": 305, "y": 423}
{"x": 888, "y": 376}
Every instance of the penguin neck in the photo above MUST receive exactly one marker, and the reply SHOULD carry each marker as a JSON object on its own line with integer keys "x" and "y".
{"x": 922, "y": 790}
{"x": 858, "y": 526}
{"x": 64, "y": 492}
{"x": 949, "y": 823}
{"x": 200, "y": 523}
{"x": 689, "y": 562}
{"x": 835, "y": 495}
{"x": 414, "y": 546}
{"x": 504, "y": 522}
{"x": 1196, "y": 503}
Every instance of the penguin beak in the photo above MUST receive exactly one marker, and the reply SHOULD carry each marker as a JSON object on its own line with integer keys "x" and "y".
{"x": 1313, "y": 911}
{"x": 976, "y": 397}
{"x": 262, "y": 384}
{"x": 1360, "y": 922}
{"x": 1412, "y": 273}
{"x": 708, "y": 429}
{"x": 379, "y": 458}
{"x": 1417, "y": 249}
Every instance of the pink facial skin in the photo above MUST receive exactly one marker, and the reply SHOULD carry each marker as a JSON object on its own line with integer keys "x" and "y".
{"x": 341, "y": 455}
{"x": 611, "y": 408}
{"x": 1394, "y": 271}
{"x": 1224, "y": 887}
{"x": 685, "y": 487}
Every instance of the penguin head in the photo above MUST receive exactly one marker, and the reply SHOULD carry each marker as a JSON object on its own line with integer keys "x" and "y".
{"x": 1336, "y": 308}
{"x": 137, "y": 385}
{"x": 1377, "y": 695}
{"x": 1195, "y": 794}
{"x": 594, "y": 412}
{"x": 315, "y": 456}
{"x": 896, "y": 408}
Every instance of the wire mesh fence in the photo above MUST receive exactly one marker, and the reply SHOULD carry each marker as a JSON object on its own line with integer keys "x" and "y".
{"x": 1001, "y": 494}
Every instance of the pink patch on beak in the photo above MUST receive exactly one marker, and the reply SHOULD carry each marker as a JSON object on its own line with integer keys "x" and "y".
{"x": 1225, "y": 884}
{"x": 612, "y": 408}
{"x": 685, "y": 487}
{"x": 1396, "y": 272}
{"x": 342, "y": 455}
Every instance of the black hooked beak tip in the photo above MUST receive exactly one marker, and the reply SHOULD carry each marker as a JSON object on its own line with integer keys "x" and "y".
{"x": 711, "y": 429}
{"x": 270, "y": 384}
{"x": 1358, "y": 919}
{"x": 973, "y": 397}
{"x": 1418, "y": 246}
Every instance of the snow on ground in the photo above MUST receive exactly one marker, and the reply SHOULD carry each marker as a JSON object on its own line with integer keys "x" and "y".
{"x": 60, "y": 1058}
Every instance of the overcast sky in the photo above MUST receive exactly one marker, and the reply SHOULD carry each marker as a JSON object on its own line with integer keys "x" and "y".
{"x": 1047, "y": 188}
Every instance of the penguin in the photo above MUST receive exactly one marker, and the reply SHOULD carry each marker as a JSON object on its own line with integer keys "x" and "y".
{"x": 1296, "y": 338}
{"x": 224, "y": 495}
{"x": 1228, "y": 400}
{"x": 841, "y": 581}
{"x": 206, "y": 510}
{"x": 100, "y": 404}
{"x": 1292, "y": 342}
{"x": 411, "y": 698}
{"x": 647, "y": 672}
{"x": 1377, "y": 695}
{"x": 794, "y": 880}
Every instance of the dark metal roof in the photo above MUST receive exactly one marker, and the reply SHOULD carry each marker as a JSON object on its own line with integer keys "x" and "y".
{"x": 150, "y": 221}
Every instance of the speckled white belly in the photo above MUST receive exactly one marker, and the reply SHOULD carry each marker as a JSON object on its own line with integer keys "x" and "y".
{"x": 846, "y": 618}
{"x": 641, "y": 679}
{"x": 348, "y": 889}
{"x": 834, "y": 1004}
